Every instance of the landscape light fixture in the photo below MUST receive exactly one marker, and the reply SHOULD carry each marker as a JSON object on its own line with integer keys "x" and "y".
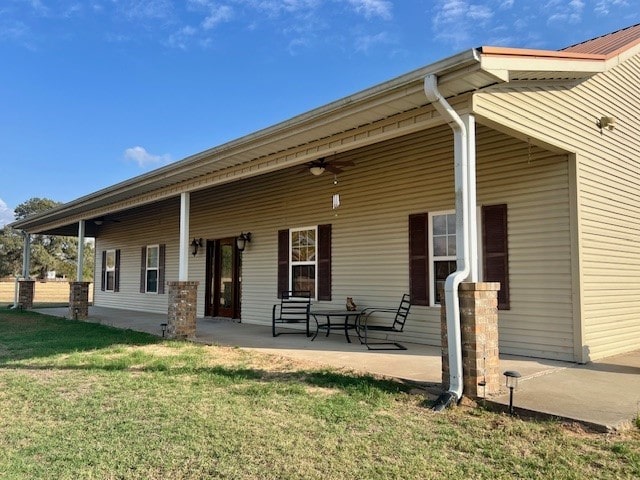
{"x": 195, "y": 244}
{"x": 242, "y": 240}
{"x": 512, "y": 383}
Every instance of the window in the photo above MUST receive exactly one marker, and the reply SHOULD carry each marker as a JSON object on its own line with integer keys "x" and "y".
{"x": 432, "y": 253}
{"x": 110, "y": 279}
{"x": 442, "y": 240}
{"x": 152, "y": 264}
{"x": 152, "y": 260}
{"x": 110, "y": 271}
{"x": 304, "y": 261}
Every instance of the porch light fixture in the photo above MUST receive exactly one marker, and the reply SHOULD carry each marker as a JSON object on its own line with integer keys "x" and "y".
{"x": 512, "y": 383}
{"x": 242, "y": 240}
{"x": 195, "y": 244}
{"x": 316, "y": 170}
{"x": 606, "y": 122}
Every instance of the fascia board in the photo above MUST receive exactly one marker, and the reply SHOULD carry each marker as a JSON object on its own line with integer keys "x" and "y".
{"x": 502, "y": 63}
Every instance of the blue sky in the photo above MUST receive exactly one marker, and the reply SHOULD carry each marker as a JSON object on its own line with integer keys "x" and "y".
{"x": 93, "y": 92}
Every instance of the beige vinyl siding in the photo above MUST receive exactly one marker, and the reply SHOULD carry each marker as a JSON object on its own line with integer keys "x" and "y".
{"x": 370, "y": 230}
{"x": 534, "y": 185}
{"x": 607, "y": 186}
{"x": 389, "y": 182}
{"x": 153, "y": 225}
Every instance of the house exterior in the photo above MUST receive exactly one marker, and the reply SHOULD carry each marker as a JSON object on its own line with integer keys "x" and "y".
{"x": 554, "y": 136}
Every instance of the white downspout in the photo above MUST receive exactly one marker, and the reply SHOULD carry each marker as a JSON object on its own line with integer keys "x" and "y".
{"x": 453, "y": 281}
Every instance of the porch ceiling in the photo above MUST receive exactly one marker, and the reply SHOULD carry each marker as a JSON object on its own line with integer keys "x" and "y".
{"x": 295, "y": 141}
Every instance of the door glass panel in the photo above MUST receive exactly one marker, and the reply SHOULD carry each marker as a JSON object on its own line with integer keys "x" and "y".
{"x": 226, "y": 276}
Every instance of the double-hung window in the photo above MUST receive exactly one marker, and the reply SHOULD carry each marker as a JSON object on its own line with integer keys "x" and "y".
{"x": 432, "y": 253}
{"x": 442, "y": 251}
{"x": 303, "y": 273}
{"x": 152, "y": 266}
{"x": 110, "y": 271}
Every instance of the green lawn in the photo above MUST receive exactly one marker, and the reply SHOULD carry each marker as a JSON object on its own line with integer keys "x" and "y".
{"x": 79, "y": 400}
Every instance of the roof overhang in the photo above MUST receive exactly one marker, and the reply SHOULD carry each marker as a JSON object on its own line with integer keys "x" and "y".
{"x": 281, "y": 146}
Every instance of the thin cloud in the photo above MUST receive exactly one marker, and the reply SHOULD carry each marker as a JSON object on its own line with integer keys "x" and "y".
{"x": 6, "y": 214}
{"x": 373, "y": 8}
{"x": 217, "y": 14}
{"x": 455, "y": 20}
{"x": 182, "y": 38}
{"x": 562, "y": 12}
{"x": 603, "y": 7}
{"x": 145, "y": 159}
{"x": 364, "y": 43}
{"x": 147, "y": 9}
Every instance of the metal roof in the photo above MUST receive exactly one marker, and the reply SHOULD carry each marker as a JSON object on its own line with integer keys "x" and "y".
{"x": 609, "y": 44}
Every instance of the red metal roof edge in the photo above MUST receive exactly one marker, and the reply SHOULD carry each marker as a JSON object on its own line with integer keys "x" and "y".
{"x": 621, "y": 40}
{"x": 526, "y": 52}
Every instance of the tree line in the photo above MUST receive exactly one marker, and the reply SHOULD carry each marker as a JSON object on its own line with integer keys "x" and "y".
{"x": 48, "y": 252}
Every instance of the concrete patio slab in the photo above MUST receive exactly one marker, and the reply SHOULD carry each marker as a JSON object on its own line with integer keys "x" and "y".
{"x": 603, "y": 394}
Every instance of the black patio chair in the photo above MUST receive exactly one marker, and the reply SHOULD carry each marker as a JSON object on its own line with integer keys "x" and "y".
{"x": 294, "y": 307}
{"x": 399, "y": 316}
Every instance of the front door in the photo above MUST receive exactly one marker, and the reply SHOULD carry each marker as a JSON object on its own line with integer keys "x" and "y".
{"x": 223, "y": 278}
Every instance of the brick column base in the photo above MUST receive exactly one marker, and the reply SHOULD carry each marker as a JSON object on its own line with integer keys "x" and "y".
{"x": 479, "y": 331}
{"x": 26, "y": 290}
{"x": 79, "y": 300}
{"x": 181, "y": 315}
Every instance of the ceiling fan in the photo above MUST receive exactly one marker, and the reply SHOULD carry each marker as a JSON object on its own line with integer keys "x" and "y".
{"x": 100, "y": 220}
{"x": 317, "y": 167}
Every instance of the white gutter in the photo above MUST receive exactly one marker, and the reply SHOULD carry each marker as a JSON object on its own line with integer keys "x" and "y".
{"x": 453, "y": 281}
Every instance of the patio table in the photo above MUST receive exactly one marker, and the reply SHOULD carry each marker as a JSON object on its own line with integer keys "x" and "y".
{"x": 341, "y": 320}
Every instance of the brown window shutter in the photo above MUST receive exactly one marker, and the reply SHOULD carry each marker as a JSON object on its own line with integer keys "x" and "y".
{"x": 103, "y": 281}
{"x": 143, "y": 270}
{"x": 161, "y": 254}
{"x": 116, "y": 274}
{"x": 283, "y": 261}
{"x": 495, "y": 250}
{"x": 324, "y": 262}
{"x": 419, "y": 258}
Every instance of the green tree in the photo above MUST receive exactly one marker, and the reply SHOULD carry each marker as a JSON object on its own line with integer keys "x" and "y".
{"x": 10, "y": 252}
{"x": 48, "y": 252}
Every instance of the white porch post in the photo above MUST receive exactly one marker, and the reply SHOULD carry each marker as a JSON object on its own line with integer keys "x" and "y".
{"x": 185, "y": 207}
{"x": 183, "y": 294}
{"x": 26, "y": 255}
{"x": 470, "y": 124}
{"x": 80, "y": 264}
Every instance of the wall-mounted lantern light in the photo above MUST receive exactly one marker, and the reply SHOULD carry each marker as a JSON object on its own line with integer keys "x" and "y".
{"x": 242, "y": 240}
{"x": 196, "y": 243}
{"x": 606, "y": 122}
{"x": 512, "y": 383}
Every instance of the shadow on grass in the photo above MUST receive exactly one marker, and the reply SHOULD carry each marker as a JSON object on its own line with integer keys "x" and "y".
{"x": 30, "y": 335}
{"x": 25, "y": 335}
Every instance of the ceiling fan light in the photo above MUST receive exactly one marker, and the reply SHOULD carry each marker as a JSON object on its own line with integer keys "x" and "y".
{"x": 315, "y": 170}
